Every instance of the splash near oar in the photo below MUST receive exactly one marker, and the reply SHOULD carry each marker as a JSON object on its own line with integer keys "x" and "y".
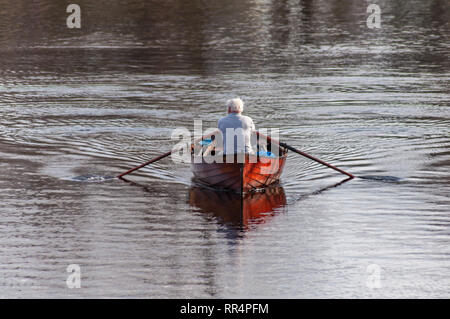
{"x": 92, "y": 178}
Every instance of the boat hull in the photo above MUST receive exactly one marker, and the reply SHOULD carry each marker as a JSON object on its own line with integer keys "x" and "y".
{"x": 245, "y": 173}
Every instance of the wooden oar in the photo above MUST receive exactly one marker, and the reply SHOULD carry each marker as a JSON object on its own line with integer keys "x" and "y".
{"x": 162, "y": 156}
{"x": 145, "y": 164}
{"x": 305, "y": 154}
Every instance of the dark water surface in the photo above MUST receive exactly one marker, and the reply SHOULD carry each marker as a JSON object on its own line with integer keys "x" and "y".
{"x": 78, "y": 106}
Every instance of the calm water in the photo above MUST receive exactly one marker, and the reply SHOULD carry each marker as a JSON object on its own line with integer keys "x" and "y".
{"x": 80, "y": 105}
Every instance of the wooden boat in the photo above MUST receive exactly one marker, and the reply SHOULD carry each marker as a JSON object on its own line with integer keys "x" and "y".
{"x": 243, "y": 173}
{"x": 234, "y": 209}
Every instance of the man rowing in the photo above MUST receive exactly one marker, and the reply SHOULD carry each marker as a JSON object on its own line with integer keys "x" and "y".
{"x": 236, "y": 129}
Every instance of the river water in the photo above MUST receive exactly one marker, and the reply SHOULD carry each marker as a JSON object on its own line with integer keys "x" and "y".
{"x": 78, "y": 106}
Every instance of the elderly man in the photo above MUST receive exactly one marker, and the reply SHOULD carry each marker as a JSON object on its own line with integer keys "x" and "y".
{"x": 236, "y": 129}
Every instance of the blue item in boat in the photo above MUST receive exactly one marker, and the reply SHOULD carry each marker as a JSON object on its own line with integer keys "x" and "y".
{"x": 205, "y": 142}
{"x": 266, "y": 154}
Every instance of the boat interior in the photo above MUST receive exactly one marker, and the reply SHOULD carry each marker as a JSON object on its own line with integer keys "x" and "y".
{"x": 211, "y": 147}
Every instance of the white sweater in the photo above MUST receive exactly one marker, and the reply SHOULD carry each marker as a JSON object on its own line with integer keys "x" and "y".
{"x": 239, "y": 133}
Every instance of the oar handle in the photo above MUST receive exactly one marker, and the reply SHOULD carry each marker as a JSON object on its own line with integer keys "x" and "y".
{"x": 268, "y": 138}
{"x": 305, "y": 154}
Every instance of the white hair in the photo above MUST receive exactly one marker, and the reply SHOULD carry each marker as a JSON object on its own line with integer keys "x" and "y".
{"x": 235, "y": 105}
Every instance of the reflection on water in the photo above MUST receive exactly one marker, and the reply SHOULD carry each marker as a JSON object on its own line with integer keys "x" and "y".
{"x": 93, "y": 102}
{"x": 304, "y": 196}
{"x": 233, "y": 209}
{"x": 386, "y": 179}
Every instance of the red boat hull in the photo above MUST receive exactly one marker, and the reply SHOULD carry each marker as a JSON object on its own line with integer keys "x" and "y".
{"x": 240, "y": 176}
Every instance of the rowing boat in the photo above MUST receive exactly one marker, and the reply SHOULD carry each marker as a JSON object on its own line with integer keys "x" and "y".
{"x": 244, "y": 173}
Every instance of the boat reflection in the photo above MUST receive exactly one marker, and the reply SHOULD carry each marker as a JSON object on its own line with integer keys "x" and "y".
{"x": 234, "y": 209}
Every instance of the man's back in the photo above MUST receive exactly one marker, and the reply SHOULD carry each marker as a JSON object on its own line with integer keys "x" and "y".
{"x": 241, "y": 128}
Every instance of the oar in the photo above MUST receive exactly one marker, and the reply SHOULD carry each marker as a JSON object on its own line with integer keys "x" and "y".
{"x": 305, "y": 155}
{"x": 145, "y": 164}
{"x": 162, "y": 156}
